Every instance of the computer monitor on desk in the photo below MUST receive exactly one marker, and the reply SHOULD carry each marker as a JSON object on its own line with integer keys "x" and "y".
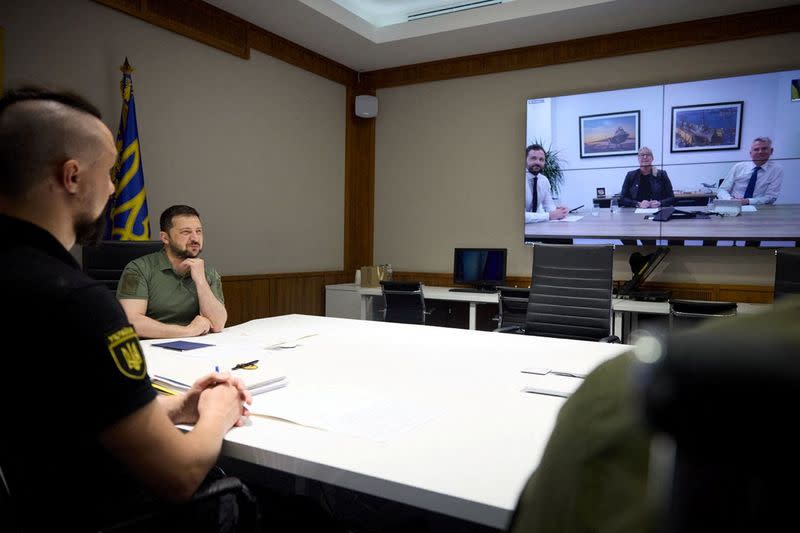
{"x": 482, "y": 268}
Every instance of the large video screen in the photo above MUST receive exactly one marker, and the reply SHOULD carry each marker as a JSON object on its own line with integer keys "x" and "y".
{"x": 697, "y": 132}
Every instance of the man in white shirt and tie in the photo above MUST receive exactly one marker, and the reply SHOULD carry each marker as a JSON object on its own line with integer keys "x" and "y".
{"x": 754, "y": 182}
{"x": 539, "y": 205}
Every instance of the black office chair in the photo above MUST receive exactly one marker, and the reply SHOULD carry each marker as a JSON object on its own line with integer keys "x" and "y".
{"x": 404, "y": 302}
{"x": 223, "y": 504}
{"x": 8, "y": 515}
{"x": 513, "y": 305}
{"x": 570, "y": 295}
{"x": 722, "y": 399}
{"x": 685, "y": 314}
{"x": 106, "y": 260}
{"x": 787, "y": 272}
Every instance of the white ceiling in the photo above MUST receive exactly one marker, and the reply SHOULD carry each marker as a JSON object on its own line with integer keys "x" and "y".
{"x": 371, "y": 41}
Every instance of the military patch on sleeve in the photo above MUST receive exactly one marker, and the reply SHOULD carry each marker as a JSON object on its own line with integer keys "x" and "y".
{"x": 129, "y": 282}
{"x": 127, "y": 353}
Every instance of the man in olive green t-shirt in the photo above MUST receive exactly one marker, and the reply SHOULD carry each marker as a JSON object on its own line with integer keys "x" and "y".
{"x": 172, "y": 293}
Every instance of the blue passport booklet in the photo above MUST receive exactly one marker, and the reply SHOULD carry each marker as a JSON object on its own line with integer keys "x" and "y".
{"x": 182, "y": 346}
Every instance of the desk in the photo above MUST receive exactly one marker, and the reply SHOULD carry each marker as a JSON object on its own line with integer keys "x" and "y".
{"x": 681, "y": 199}
{"x": 624, "y": 319}
{"x": 469, "y": 461}
{"x": 769, "y": 223}
{"x": 437, "y": 293}
{"x": 626, "y": 313}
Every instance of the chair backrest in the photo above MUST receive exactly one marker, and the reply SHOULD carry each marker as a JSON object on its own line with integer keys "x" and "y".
{"x": 513, "y": 303}
{"x": 106, "y": 260}
{"x": 787, "y": 272}
{"x": 404, "y": 302}
{"x": 689, "y": 313}
{"x": 8, "y": 515}
{"x": 570, "y": 295}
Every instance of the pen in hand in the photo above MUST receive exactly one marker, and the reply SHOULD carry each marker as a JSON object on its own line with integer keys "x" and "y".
{"x": 573, "y": 210}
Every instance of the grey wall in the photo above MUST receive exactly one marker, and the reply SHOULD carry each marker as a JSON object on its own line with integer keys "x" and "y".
{"x": 450, "y": 154}
{"x": 257, "y": 146}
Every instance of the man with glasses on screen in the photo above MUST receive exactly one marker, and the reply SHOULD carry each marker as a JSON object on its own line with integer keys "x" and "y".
{"x": 754, "y": 182}
{"x": 539, "y": 204}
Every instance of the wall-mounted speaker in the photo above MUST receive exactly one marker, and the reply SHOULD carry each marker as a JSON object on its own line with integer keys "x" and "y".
{"x": 366, "y": 106}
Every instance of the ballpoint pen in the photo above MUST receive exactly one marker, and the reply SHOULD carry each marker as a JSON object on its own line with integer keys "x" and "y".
{"x": 245, "y": 365}
{"x": 573, "y": 210}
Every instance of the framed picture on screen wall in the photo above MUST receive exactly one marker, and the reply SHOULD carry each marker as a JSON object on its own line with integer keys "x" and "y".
{"x": 609, "y": 134}
{"x": 703, "y": 127}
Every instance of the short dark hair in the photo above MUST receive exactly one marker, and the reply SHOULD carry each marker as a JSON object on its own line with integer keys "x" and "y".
{"x": 32, "y": 93}
{"x": 533, "y": 146}
{"x": 176, "y": 211}
{"x": 34, "y": 137}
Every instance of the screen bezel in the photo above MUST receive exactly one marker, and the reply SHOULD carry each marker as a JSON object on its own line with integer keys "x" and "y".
{"x": 760, "y": 97}
{"x": 457, "y": 252}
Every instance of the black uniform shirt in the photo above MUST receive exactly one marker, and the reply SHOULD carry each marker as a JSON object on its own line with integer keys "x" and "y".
{"x": 77, "y": 370}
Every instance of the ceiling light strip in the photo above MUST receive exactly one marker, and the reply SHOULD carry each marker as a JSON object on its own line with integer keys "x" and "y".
{"x": 452, "y": 9}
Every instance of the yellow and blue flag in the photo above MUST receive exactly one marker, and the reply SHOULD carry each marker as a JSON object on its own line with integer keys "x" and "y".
{"x": 128, "y": 218}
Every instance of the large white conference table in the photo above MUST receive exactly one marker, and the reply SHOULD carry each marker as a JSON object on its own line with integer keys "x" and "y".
{"x": 430, "y": 417}
{"x": 624, "y": 318}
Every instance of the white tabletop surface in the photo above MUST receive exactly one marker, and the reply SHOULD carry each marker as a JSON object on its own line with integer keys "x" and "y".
{"x": 475, "y": 437}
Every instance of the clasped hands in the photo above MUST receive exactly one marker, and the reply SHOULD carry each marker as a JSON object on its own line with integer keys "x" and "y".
{"x": 218, "y": 394}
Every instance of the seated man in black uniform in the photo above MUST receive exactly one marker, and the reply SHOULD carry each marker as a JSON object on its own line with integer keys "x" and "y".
{"x": 110, "y": 443}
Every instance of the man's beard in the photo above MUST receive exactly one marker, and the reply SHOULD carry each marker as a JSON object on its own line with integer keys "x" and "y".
{"x": 88, "y": 231}
{"x": 182, "y": 254}
{"x": 533, "y": 170}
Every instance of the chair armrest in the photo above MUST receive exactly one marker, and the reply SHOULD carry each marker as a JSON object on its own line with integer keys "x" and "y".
{"x": 225, "y": 504}
{"x": 510, "y": 329}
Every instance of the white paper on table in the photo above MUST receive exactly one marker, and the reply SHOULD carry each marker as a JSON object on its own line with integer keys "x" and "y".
{"x": 551, "y": 385}
{"x": 541, "y": 371}
{"x": 646, "y": 210}
{"x": 346, "y": 411}
{"x": 570, "y": 218}
{"x": 749, "y": 209}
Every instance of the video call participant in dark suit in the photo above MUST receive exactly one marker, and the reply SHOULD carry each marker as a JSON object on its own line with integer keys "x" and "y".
{"x": 646, "y": 186}
{"x": 89, "y": 441}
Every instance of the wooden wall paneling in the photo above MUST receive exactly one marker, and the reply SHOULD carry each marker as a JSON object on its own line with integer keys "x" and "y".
{"x": 747, "y": 293}
{"x": 294, "y": 54}
{"x": 258, "y": 296}
{"x": 218, "y": 28}
{"x": 191, "y": 18}
{"x": 359, "y": 183}
{"x": 246, "y": 299}
{"x": 693, "y": 33}
{"x": 298, "y": 294}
